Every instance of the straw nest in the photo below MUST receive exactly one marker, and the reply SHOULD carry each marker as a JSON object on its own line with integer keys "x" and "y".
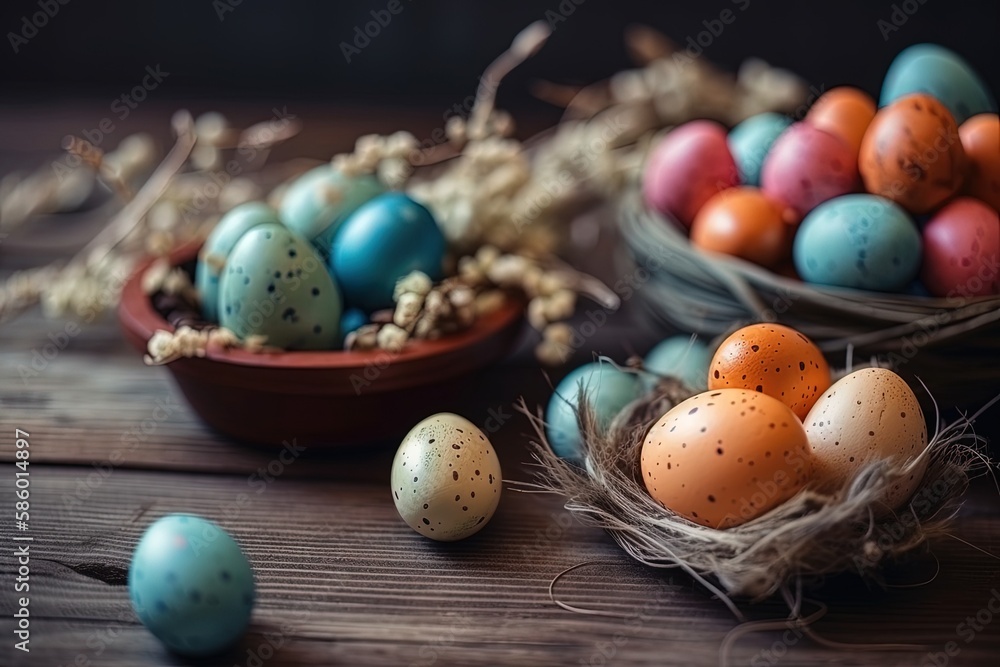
{"x": 809, "y": 536}
{"x": 952, "y": 343}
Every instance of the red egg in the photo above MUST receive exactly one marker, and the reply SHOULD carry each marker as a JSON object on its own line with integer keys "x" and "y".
{"x": 807, "y": 166}
{"x": 687, "y": 167}
{"x": 980, "y": 137}
{"x": 962, "y": 250}
{"x": 742, "y": 222}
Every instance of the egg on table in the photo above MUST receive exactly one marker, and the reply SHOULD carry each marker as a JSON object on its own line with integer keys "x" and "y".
{"x": 962, "y": 249}
{"x": 191, "y": 585}
{"x": 689, "y": 165}
{"x": 725, "y": 456}
{"x": 275, "y": 285}
{"x": 912, "y": 154}
{"x": 750, "y": 141}
{"x": 870, "y": 415}
{"x": 860, "y": 241}
{"x": 446, "y": 478}
{"x": 382, "y": 241}
{"x": 980, "y": 137}
{"x": 215, "y": 251}
{"x": 607, "y": 390}
{"x": 844, "y": 112}
{"x": 743, "y": 222}
{"x": 681, "y": 357}
{"x": 772, "y": 359}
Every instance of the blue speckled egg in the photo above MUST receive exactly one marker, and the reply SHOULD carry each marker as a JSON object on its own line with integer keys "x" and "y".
{"x": 191, "y": 585}
{"x": 384, "y": 240}
{"x": 933, "y": 69}
{"x": 212, "y": 258}
{"x": 608, "y": 390}
{"x": 680, "y": 357}
{"x": 315, "y": 205}
{"x": 750, "y": 141}
{"x": 862, "y": 241}
{"x": 276, "y": 285}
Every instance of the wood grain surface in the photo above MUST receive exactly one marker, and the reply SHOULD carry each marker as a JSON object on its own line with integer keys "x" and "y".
{"x": 343, "y": 581}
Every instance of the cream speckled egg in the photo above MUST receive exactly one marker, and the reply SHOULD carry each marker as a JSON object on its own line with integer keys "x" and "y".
{"x": 869, "y": 415}
{"x": 446, "y": 478}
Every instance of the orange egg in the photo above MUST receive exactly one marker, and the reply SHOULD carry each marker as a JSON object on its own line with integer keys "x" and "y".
{"x": 722, "y": 458}
{"x": 845, "y": 112}
{"x": 981, "y": 140}
{"x": 912, "y": 154}
{"x": 742, "y": 222}
{"x": 775, "y": 360}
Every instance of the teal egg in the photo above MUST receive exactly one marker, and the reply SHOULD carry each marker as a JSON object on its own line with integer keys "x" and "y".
{"x": 682, "y": 358}
{"x": 191, "y": 585}
{"x": 937, "y": 71}
{"x": 212, "y": 258}
{"x": 276, "y": 285}
{"x": 384, "y": 240}
{"x": 352, "y": 319}
{"x": 861, "y": 241}
{"x": 317, "y": 203}
{"x": 750, "y": 141}
{"x": 607, "y": 389}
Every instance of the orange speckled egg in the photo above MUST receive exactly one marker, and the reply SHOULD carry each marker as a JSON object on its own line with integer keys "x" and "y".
{"x": 775, "y": 360}
{"x": 845, "y": 112}
{"x": 981, "y": 141}
{"x": 722, "y": 458}
{"x": 912, "y": 154}
{"x": 745, "y": 223}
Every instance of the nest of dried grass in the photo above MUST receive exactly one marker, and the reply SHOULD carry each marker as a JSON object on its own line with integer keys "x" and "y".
{"x": 811, "y": 535}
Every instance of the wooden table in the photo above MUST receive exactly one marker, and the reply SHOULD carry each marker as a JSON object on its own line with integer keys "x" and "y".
{"x": 341, "y": 579}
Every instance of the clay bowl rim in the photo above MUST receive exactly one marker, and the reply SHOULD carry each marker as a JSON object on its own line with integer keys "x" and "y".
{"x": 138, "y": 316}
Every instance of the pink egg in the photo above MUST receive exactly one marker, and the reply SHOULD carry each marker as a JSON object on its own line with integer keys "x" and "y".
{"x": 807, "y": 166}
{"x": 962, "y": 250}
{"x": 686, "y": 168}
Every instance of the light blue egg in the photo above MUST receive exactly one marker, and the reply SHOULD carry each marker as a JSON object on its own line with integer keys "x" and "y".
{"x": 862, "y": 241}
{"x": 315, "y": 205}
{"x": 275, "y": 285}
{"x": 212, "y": 258}
{"x": 384, "y": 240}
{"x": 750, "y": 141}
{"x": 352, "y": 320}
{"x": 191, "y": 585}
{"x": 682, "y": 358}
{"x": 608, "y": 391}
{"x": 937, "y": 71}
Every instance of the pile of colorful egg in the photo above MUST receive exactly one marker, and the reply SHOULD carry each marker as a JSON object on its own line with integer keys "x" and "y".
{"x": 767, "y": 421}
{"x": 308, "y": 274}
{"x": 902, "y": 198}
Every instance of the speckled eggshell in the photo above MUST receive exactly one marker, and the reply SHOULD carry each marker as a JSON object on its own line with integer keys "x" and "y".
{"x": 689, "y": 165}
{"x": 318, "y": 201}
{"x": 215, "y": 251}
{"x": 844, "y": 112}
{"x": 912, "y": 154}
{"x": 743, "y": 222}
{"x": 942, "y": 73}
{"x": 446, "y": 478}
{"x": 191, "y": 585}
{"x": 860, "y": 241}
{"x": 867, "y": 416}
{"x": 807, "y": 166}
{"x": 962, "y": 250}
{"x": 751, "y": 140}
{"x": 679, "y": 357}
{"x": 772, "y": 359}
{"x": 275, "y": 285}
{"x": 980, "y": 137}
{"x": 724, "y": 457}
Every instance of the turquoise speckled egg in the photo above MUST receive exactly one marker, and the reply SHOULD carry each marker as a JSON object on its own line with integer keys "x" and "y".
{"x": 316, "y": 204}
{"x": 863, "y": 241}
{"x": 384, "y": 240}
{"x": 680, "y": 357}
{"x": 933, "y": 69}
{"x": 276, "y": 285}
{"x": 212, "y": 258}
{"x": 608, "y": 390}
{"x": 750, "y": 141}
{"x": 191, "y": 585}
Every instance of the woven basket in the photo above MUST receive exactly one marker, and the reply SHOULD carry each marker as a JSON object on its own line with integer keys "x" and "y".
{"x": 951, "y": 344}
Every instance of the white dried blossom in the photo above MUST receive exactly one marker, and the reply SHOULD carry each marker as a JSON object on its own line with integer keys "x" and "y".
{"x": 536, "y": 313}
{"x": 416, "y": 282}
{"x": 461, "y": 296}
{"x": 408, "y": 307}
{"x": 392, "y": 338}
{"x": 559, "y": 305}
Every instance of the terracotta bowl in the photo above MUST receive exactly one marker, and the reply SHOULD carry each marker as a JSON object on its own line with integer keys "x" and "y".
{"x": 323, "y": 398}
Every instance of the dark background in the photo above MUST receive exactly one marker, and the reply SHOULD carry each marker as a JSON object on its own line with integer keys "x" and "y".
{"x": 434, "y": 50}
